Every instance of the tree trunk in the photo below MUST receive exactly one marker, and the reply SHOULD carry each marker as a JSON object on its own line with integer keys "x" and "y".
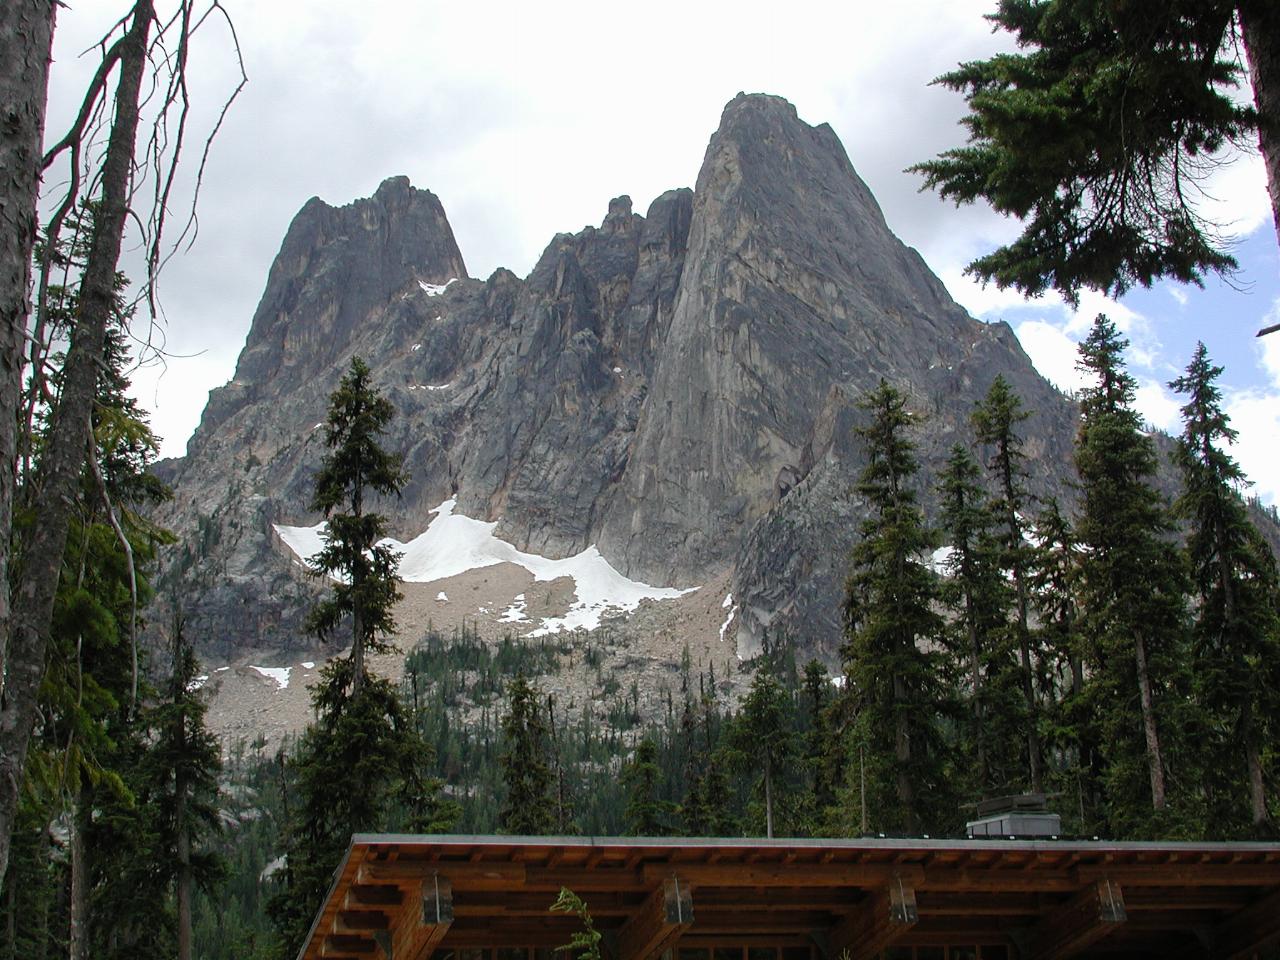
{"x": 78, "y": 941}
{"x": 64, "y": 457}
{"x": 1155, "y": 763}
{"x": 768, "y": 800}
{"x": 26, "y": 35}
{"x": 975, "y": 671}
{"x": 1253, "y": 760}
{"x": 902, "y": 753}
{"x": 1260, "y": 24}
{"x": 183, "y": 882}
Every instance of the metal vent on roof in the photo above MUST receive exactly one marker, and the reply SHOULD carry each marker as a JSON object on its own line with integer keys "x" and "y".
{"x": 1020, "y": 815}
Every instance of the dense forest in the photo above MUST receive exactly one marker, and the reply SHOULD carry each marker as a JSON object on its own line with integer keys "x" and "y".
{"x": 1118, "y": 657}
{"x": 1119, "y": 654}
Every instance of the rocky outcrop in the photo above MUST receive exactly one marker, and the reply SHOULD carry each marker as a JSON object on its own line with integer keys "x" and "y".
{"x": 677, "y": 387}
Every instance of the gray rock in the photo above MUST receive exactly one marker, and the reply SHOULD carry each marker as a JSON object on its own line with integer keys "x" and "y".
{"x": 677, "y": 387}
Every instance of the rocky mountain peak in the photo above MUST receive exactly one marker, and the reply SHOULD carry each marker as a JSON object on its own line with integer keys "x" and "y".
{"x": 678, "y": 388}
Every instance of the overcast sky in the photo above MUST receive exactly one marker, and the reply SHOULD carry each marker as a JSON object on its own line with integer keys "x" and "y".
{"x": 525, "y": 119}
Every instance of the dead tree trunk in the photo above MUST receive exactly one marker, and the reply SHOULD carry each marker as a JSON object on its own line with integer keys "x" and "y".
{"x": 26, "y": 34}
{"x": 64, "y": 458}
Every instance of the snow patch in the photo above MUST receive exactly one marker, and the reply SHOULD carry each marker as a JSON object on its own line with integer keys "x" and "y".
{"x": 728, "y": 620}
{"x": 515, "y": 612}
{"x": 435, "y": 289}
{"x": 728, "y": 601}
{"x": 272, "y": 868}
{"x": 939, "y": 559}
{"x": 307, "y": 665}
{"x": 220, "y": 669}
{"x": 442, "y": 597}
{"x": 416, "y": 346}
{"x": 197, "y": 682}
{"x": 279, "y": 674}
{"x": 455, "y": 544}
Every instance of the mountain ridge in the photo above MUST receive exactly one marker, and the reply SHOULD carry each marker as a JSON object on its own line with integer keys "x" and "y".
{"x": 677, "y": 387}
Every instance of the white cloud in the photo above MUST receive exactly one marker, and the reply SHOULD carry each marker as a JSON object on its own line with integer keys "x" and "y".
{"x": 1256, "y": 415}
{"x": 1269, "y": 346}
{"x": 1053, "y": 353}
{"x": 1158, "y": 406}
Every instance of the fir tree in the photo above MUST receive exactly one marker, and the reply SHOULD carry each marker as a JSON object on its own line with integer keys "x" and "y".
{"x": 996, "y": 424}
{"x": 1237, "y": 629}
{"x": 647, "y": 813}
{"x": 892, "y": 663}
{"x": 1133, "y": 586}
{"x": 364, "y": 737}
{"x": 528, "y": 807}
{"x": 818, "y": 740}
{"x": 355, "y": 466}
{"x": 184, "y": 764}
{"x": 1071, "y": 723}
{"x": 1098, "y": 129}
{"x": 976, "y": 592}
{"x": 762, "y": 738}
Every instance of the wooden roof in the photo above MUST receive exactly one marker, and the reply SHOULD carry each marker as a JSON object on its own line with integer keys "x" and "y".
{"x": 403, "y": 897}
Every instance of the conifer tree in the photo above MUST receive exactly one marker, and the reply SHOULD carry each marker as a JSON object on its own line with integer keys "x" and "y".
{"x": 996, "y": 424}
{"x": 184, "y": 764}
{"x": 1133, "y": 586}
{"x": 1237, "y": 628}
{"x": 763, "y": 741}
{"x": 364, "y": 737}
{"x": 356, "y": 466}
{"x": 892, "y": 663}
{"x": 976, "y": 592}
{"x": 817, "y": 745}
{"x": 647, "y": 813}
{"x": 1072, "y": 724}
{"x": 528, "y": 807}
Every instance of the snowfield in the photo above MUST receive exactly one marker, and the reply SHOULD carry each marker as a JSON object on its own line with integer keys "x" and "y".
{"x": 455, "y": 543}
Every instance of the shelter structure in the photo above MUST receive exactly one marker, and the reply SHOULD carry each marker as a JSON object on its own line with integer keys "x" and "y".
{"x": 404, "y": 897}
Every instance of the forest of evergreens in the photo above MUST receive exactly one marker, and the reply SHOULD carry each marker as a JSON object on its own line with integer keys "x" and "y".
{"x": 1119, "y": 657}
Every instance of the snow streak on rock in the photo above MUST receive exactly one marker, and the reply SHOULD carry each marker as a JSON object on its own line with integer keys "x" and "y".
{"x": 455, "y": 544}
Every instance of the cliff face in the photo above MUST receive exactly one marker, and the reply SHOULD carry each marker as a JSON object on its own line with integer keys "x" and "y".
{"x": 677, "y": 387}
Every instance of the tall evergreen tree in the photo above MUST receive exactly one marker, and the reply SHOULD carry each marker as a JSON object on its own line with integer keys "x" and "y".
{"x": 891, "y": 655}
{"x": 355, "y": 466}
{"x": 364, "y": 737}
{"x": 763, "y": 741}
{"x": 1237, "y": 629}
{"x": 528, "y": 807}
{"x": 976, "y": 592}
{"x": 647, "y": 813}
{"x": 816, "y": 697}
{"x": 996, "y": 424}
{"x": 184, "y": 764}
{"x": 1133, "y": 589}
{"x": 1071, "y": 722}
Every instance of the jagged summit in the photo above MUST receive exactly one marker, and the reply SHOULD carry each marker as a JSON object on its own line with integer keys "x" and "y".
{"x": 675, "y": 387}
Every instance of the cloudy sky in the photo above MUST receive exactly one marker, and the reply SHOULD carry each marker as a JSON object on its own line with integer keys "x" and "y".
{"x": 525, "y": 119}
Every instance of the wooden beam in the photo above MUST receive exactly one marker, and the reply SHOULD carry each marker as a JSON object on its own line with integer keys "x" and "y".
{"x": 866, "y": 875}
{"x": 420, "y": 925}
{"x": 887, "y": 916}
{"x": 1079, "y": 923}
{"x": 462, "y": 874}
{"x": 665, "y": 914}
{"x": 1254, "y": 928}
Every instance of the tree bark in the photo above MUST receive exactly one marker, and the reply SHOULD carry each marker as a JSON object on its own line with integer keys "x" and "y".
{"x": 78, "y": 941}
{"x": 1155, "y": 762}
{"x": 902, "y": 753}
{"x": 1260, "y": 24}
{"x": 26, "y": 35}
{"x": 64, "y": 457}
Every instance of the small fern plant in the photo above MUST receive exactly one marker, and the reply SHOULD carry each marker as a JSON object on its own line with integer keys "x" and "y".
{"x": 585, "y": 943}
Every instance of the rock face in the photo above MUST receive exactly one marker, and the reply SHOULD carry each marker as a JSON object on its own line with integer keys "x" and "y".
{"x": 678, "y": 388}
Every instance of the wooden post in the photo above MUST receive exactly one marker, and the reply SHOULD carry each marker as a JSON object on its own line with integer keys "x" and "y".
{"x": 1079, "y": 923}
{"x": 665, "y": 914}
{"x": 423, "y": 920}
{"x": 887, "y": 916}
